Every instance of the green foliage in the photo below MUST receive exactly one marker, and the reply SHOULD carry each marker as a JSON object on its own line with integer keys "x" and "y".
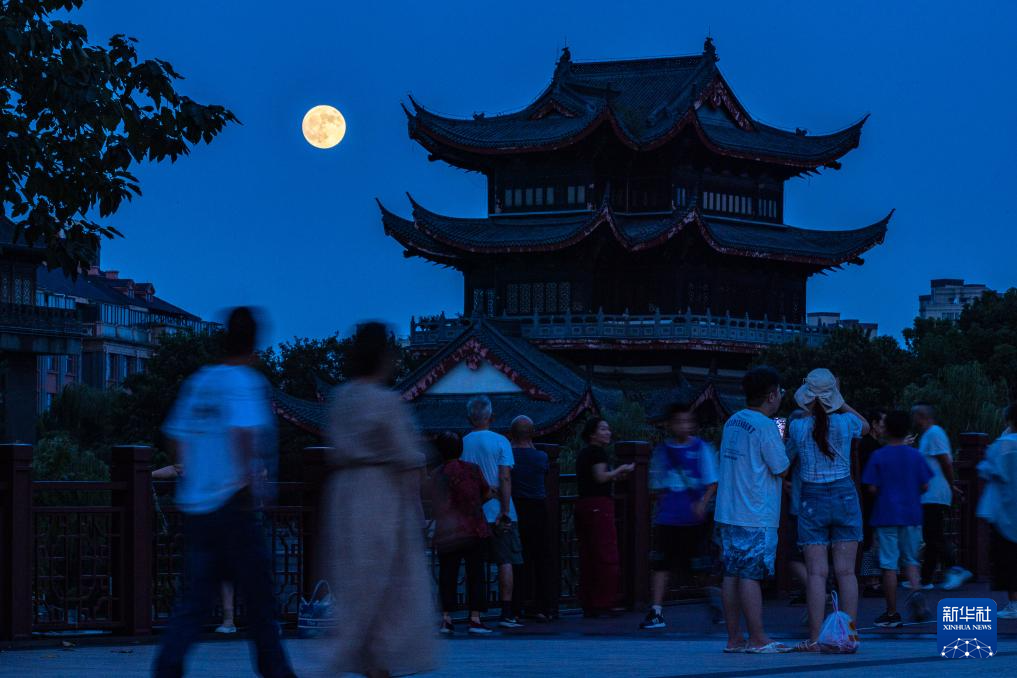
{"x": 302, "y": 366}
{"x": 965, "y": 398}
{"x": 58, "y": 457}
{"x": 75, "y": 117}
{"x": 628, "y": 422}
{"x": 872, "y": 372}
{"x": 89, "y": 416}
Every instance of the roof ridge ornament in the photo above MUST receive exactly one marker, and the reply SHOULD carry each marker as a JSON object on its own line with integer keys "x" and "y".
{"x": 564, "y": 62}
{"x": 709, "y": 49}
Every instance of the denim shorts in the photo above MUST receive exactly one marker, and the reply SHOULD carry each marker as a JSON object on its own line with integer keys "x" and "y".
{"x": 898, "y": 545}
{"x": 828, "y": 513}
{"x": 747, "y": 552}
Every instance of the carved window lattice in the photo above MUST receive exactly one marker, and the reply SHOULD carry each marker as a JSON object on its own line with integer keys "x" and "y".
{"x": 524, "y": 299}
{"x": 512, "y": 302}
{"x": 564, "y": 296}
{"x": 538, "y": 297}
{"x": 551, "y": 299}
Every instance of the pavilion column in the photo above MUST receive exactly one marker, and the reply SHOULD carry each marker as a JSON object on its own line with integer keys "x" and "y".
{"x": 973, "y": 546}
{"x": 552, "y": 550}
{"x": 132, "y": 466}
{"x": 634, "y": 535}
{"x": 314, "y": 474}
{"x": 15, "y": 541}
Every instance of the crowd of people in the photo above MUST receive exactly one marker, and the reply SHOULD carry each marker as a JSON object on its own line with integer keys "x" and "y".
{"x": 488, "y": 498}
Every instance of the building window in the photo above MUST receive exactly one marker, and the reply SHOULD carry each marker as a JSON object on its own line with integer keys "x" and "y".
{"x": 550, "y": 195}
{"x": 571, "y": 195}
{"x": 680, "y": 196}
{"x": 508, "y": 197}
{"x": 529, "y": 196}
{"x": 768, "y": 208}
{"x": 538, "y": 196}
{"x": 517, "y": 197}
{"x": 564, "y": 296}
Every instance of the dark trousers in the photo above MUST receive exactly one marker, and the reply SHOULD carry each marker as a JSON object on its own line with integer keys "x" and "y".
{"x": 938, "y": 549}
{"x": 599, "y": 569}
{"x": 531, "y": 584}
{"x": 448, "y": 576}
{"x": 225, "y": 545}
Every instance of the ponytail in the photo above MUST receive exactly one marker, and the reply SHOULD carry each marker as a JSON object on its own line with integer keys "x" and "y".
{"x": 821, "y": 429}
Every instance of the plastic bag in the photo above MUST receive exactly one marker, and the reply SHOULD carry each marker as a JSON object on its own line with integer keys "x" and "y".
{"x": 317, "y": 614}
{"x": 838, "y": 635}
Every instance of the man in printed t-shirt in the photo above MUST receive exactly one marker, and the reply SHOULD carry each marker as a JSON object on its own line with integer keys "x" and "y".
{"x": 752, "y": 463}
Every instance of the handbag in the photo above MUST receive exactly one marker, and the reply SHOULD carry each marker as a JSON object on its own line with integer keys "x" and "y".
{"x": 317, "y": 613}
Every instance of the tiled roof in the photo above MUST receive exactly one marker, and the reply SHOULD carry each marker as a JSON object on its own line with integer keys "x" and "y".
{"x": 554, "y": 394}
{"x": 97, "y": 288}
{"x": 646, "y": 102}
{"x": 445, "y": 239}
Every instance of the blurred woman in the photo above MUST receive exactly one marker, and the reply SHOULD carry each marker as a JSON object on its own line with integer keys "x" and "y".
{"x": 460, "y": 532}
{"x": 375, "y": 519}
{"x": 829, "y": 514}
{"x": 594, "y": 520}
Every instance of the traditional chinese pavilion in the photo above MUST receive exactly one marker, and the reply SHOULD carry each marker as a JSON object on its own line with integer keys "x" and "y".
{"x": 634, "y": 237}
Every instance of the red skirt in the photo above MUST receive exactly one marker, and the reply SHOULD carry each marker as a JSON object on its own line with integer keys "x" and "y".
{"x": 599, "y": 570}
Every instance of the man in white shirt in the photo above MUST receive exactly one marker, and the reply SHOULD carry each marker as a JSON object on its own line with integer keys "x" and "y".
{"x": 752, "y": 463}
{"x": 217, "y": 432}
{"x": 935, "y": 448}
{"x": 492, "y": 452}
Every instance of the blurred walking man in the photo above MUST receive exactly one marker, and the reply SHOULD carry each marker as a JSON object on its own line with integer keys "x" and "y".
{"x": 216, "y": 430}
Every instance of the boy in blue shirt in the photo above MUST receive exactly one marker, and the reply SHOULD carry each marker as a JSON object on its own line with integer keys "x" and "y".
{"x": 683, "y": 475}
{"x": 898, "y": 475}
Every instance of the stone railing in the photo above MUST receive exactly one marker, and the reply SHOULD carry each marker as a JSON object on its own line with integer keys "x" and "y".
{"x": 600, "y": 327}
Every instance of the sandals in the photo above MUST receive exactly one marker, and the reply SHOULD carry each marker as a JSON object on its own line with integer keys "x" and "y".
{"x": 807, "y": 646}
{"x": 737, "y": 649}
{"x": 770, "y": 648}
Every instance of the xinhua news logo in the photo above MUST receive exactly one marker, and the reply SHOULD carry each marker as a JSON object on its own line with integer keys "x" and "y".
{"x": 966, "y": 628}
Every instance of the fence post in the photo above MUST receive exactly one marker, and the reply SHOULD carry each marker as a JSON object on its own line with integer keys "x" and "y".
{"x": 15, "y": 541}
{"x": 635, "y": 541}
{"x": 313, "y": 476}
{"x": 552, "y": 487}
{"x": 974, "y": 533}
{"x": 132, "y": 465}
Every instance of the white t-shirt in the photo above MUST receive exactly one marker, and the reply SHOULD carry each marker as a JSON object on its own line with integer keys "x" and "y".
{"x": 815, "y": 466}
{"x": 489, "y": 450}
{"x": 934, "y": 442}
{"x": 751, "y": 457}
{"x": 213, "y": 402}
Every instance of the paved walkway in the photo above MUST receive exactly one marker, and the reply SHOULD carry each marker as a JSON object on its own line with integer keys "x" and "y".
{"x": 559, "y": 657}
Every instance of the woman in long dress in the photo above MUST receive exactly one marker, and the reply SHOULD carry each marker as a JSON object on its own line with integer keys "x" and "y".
{"x": 374, "y": 519}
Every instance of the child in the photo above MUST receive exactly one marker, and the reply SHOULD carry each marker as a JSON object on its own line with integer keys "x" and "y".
{"x": 683, "y": 475}
{"x": 898, "y": 475}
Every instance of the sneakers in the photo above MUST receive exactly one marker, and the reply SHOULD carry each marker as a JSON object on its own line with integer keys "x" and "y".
{"x": 887, "y": 620}
{"x": 654, "y": 620}
{"x": 509, "y": 623}
{"x": 226, "y": 628}
{"x": 1008, "y": 612}
{"x": 907, "y": 585}
{"x": 479, "y": 628}
{"x": 916, "y": 604}
{"x": 447, "y": 627}
{"x": 955, "y": 578}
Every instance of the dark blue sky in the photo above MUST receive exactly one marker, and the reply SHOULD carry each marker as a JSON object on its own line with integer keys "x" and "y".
{"x": 261, "y": 217}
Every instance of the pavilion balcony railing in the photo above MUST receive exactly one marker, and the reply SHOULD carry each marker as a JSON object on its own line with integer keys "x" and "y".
{"x": 39, "y": 320}
{"x": 429, "y": 333}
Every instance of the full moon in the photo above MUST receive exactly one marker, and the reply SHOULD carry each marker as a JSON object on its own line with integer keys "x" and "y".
{"x": 323, "y": 126}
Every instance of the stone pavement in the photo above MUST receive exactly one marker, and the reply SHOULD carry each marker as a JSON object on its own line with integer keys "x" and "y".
{"x": 580, "y": 657}
{"x": 573, "y": 646}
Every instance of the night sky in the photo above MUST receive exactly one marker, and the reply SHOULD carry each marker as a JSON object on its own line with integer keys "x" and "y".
{"x": 261, "y": 217}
